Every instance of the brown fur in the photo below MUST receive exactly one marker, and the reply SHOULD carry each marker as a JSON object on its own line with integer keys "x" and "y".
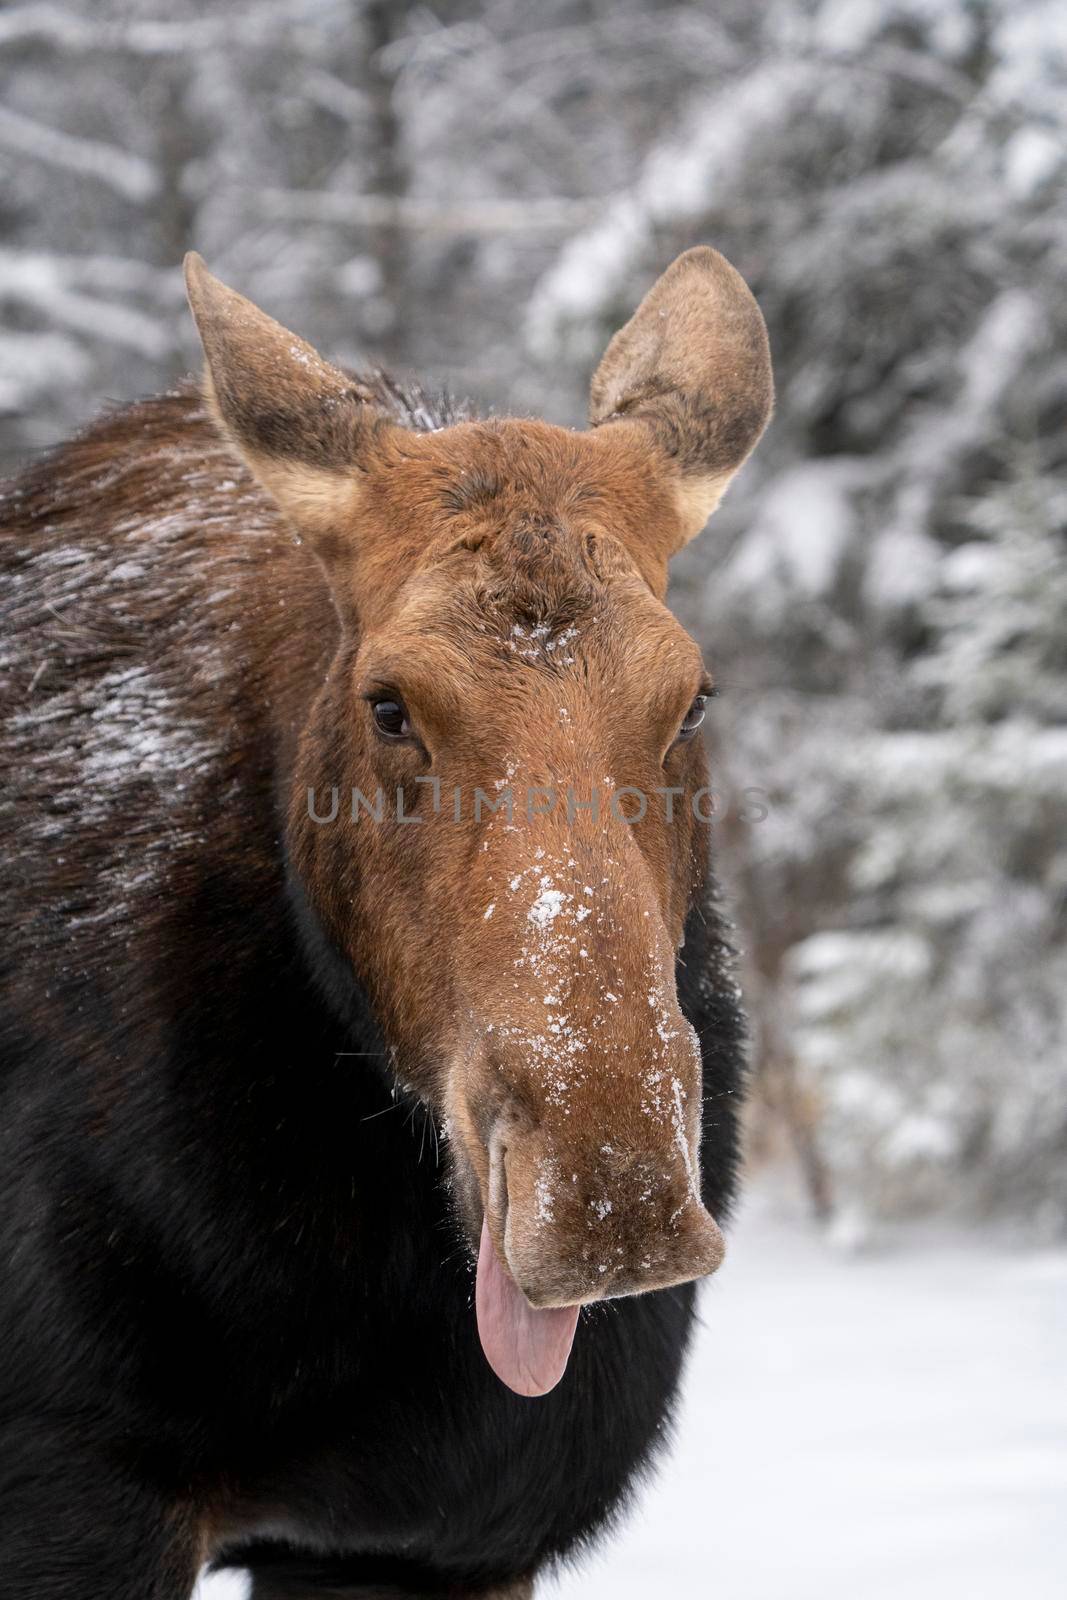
{"x": 505, "y": 581}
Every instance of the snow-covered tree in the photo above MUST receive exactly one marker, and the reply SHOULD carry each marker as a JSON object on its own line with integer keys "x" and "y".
{"x": 481, "y": 189}
{"x": 887, "y": 590}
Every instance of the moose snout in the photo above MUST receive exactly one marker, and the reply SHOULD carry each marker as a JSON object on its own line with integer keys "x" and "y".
{"x": 573, "y": 1227}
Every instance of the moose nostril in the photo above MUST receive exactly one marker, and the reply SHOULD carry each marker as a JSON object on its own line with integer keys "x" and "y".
{"x": 498, "y": 1178}
{"x": 498, "y": 1190}
{"x": 500, "y": 1109}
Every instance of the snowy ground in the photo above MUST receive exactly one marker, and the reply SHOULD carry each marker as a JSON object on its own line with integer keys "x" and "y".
{"x": 868, "y": 1427}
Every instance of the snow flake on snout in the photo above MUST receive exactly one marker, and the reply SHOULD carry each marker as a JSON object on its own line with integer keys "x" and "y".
{"x": 665, "y": 1032}
{"x": 544, "y": 1193}
{"x": 664, "y": 1096}
{"x": 549, "y": 954}
{"x": 548, "y": 905}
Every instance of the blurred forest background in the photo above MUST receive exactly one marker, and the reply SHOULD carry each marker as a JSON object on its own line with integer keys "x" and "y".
{"x": 479, "y": 191}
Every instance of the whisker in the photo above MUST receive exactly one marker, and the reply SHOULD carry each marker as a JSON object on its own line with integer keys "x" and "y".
{"x": 396, "y": 1106}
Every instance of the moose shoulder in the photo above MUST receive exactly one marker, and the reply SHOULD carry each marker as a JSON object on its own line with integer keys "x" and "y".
{"x": 348, "y": 1064}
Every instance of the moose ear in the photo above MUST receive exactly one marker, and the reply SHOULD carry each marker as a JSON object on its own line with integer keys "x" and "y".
{"x": 300, "y": 424}
{"x": 692, "y": 365}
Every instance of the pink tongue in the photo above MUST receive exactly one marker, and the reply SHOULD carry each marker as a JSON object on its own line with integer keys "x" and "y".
{"x": 526, "y": 1348}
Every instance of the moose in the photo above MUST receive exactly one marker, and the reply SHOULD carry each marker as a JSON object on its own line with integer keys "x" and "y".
{"x": 358, "y": 1160}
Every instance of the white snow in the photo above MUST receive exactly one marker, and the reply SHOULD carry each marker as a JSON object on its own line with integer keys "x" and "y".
{"x": 222, "y": 1586}
{"x": 684, "y": 178}
{"x": 856, "y": 1427}
{"x": 50, "y": 285}
{"x": 548, "y": 905}
{"x": 797, "y": 544}
{"x": 31, "y": 363}
{"x": 128, "y": 175}
{"x": 860, "y": 1428}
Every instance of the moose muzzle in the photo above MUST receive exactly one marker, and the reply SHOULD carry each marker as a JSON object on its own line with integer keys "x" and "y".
{"x": 587, "y": 1139}
{"x": 562, "y": 1231}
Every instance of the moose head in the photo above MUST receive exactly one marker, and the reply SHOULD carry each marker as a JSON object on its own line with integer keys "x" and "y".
{"x": 514, "y": 713}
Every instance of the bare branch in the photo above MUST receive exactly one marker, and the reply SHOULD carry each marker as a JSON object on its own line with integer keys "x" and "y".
{"x": 328, "y": 91}
{"x": 430, "y": 216}
{"x": 41, "y": 281}
{"x": 69, "y": 31}
{"x": 128, "y": 175}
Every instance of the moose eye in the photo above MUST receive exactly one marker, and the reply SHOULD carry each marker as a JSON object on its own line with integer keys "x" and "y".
{"x": 391, "y": 718}
{"x": 693, "y": 718}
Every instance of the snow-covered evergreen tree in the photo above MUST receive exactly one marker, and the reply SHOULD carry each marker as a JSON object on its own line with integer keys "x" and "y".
{"x": 888, "y": 594}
